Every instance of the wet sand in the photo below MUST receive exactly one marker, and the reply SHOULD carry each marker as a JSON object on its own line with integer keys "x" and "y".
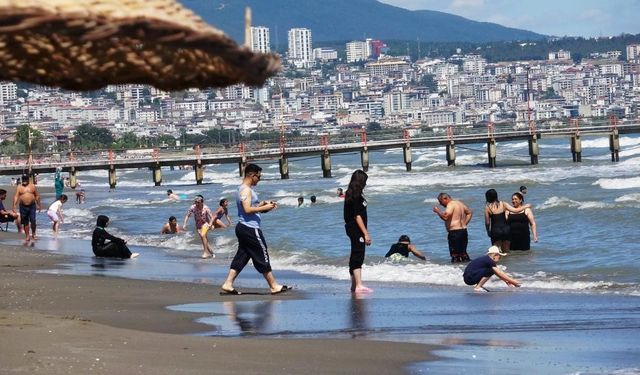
{"x": 65, "y": 324}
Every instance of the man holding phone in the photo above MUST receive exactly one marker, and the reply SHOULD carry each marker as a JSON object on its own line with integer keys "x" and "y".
{"x": 251, "y": 242}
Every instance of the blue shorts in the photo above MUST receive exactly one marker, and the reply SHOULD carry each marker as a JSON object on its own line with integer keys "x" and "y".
{"x": 28, "y": 214}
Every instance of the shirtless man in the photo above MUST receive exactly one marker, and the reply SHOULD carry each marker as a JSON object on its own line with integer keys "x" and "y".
{"x": 29, "y": 200}
{"x": 171, "y": 227}
{"x": 456, "y": 216}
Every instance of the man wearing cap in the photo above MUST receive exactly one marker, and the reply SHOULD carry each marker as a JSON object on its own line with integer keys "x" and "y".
{"x": 28, "y": 200}
{"x": 402, "y": 249}
{"x": 480, "y": 270}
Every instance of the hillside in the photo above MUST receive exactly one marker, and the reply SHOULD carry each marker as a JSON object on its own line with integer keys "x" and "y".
{"x": 343, "y": 20}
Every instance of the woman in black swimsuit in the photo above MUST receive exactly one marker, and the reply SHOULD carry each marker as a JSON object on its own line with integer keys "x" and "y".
{"x": 519, "y": 225}
{"x": 495, "y": 220}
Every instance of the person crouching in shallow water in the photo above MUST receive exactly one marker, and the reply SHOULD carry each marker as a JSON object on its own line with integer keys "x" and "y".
{"x": 480, "y": 270}
{"x": 403, "y": 248}
{"x": 355, "y": 224}
{"x": 108, "y": 246}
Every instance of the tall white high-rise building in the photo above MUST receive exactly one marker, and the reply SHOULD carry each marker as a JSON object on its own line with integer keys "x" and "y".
{"x": 358, "y": 50}
{"x": 633, "y": 52}
{"x": 260, "y": 39}
{"x": 300, "y": 51}
{"x": 8, "y": 92}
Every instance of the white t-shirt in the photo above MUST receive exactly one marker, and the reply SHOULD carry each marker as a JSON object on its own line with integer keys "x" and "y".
{"x": 55, "y": 206}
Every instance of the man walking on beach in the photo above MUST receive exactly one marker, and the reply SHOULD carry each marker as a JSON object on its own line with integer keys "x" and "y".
{"x": 251, "y": 243}
{"x": 456, "y": 216}
{"x": 29, "y": 200}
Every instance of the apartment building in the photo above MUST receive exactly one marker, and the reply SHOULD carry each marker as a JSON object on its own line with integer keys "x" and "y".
{"x": 300, "y": 51}
{"x": 260, "y": 39}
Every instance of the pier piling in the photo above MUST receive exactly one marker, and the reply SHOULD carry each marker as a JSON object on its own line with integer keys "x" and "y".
{"x": 199, "y": 168}
{"x": 451, "y": 153}
{"x": 157, "y": 174}
{"x": 534, "y": 149}
{"x": 284, "y": 167}
{"x": 614, "y": 145}
{"x": 406, "y": 152}
{"x": 325, "y": 162}
{"x": 242, "y": 164}
{"x": 491, "y": 152}
{"x": 73, "y": 180}
{"x": 112, "y": 177}
{"x": 576, "y": 148}
{"x": 364, "y": 159}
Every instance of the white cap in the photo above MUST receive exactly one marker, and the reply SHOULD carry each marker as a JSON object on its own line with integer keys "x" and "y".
{"x": 495, "y": 250}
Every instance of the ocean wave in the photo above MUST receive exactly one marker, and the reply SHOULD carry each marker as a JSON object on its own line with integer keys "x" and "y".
{"x": 555, "y": 202}
{"x": 412, "y": 272}
{"x": 618, "y": 183}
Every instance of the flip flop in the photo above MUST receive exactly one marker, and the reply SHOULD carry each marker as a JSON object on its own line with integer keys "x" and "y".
{"x": 232, "y": 292}
{"x": 284, "y": 289}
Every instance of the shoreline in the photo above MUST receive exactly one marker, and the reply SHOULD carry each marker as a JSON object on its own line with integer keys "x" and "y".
{"x": 72, "y": 324}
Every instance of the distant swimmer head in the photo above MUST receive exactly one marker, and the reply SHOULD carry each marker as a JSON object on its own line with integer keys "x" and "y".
{"x": 523, "y": 189}
{"x": 313, "y": 199}
{"x": 102, "y": 221}
{"x": 169, "y": 191}
{"x": 404, "y": 238}
{"x": 172, "y": 219}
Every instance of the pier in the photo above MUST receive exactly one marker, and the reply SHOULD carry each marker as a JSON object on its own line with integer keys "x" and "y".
{"x": 155, "y": 160}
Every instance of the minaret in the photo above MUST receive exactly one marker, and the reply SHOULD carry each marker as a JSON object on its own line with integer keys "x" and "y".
{"x": 247, "y": 27}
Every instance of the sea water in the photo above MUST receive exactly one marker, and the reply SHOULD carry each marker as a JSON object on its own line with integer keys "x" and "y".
{"x": 587, "y": 216}
{"x": 587, "y": 213}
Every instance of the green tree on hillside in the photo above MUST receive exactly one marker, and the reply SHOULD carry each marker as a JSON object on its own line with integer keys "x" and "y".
{"x": 37, "y": 140}
{"x": 92, "y": 137}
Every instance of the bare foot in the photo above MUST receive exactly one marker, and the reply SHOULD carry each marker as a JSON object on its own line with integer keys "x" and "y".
{"x": 134, "y": 255}
{"x": 206, "y": 256}
{"x": 363, "y": 289}
{"x": 480, "y": 289}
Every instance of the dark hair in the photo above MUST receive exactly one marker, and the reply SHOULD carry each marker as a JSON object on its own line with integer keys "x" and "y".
{"x": 519, "y": 195}
{"x": 172, "y": 218}
{"x": 491, "y": 196}
{"x": 169, "y": 191}
{"x": 313, "y": 198}
{"x": 252, "y": 168}
{"x": 441, "y": 196}
{"x": 64, "y": 197}
{"x": 356, "y": 185}
{"x": 102, "y": 221}
{"x": 404, "y": 238}
{"x": 2, "y": 191}
{"x": 523, "y": 188}
{"x": 25, "y": 178}
{"x": 223, "y": 200}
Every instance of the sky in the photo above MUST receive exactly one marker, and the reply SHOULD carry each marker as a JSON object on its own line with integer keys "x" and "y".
{"x": 586, "y": 18}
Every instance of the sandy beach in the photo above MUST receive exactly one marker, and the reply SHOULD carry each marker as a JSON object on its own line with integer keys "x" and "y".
{"x": 62, "y": 324}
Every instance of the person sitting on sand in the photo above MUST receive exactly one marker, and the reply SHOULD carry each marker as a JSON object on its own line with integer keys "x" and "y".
{"x": 402, "y": 248}
{"x": 8, "y": 216}
{"x": 108, "y": 246}
{"x": 480, "y": 270}
{"x": 171, "y": 227}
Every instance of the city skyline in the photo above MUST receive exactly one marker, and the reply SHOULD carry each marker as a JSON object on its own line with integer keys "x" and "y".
{"x": 586, "y": 18}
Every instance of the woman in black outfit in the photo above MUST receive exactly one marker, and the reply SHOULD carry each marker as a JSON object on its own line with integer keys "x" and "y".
{"x": 106, "y": 245}
{"x": 355, "y": 224}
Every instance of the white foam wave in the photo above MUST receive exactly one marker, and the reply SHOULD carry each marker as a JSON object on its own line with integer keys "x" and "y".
{"x": 414, "y": 272}
{"x": 554, "y": 202}
{"x": 618, "y": 183}
{"x": 629, "y": 198}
